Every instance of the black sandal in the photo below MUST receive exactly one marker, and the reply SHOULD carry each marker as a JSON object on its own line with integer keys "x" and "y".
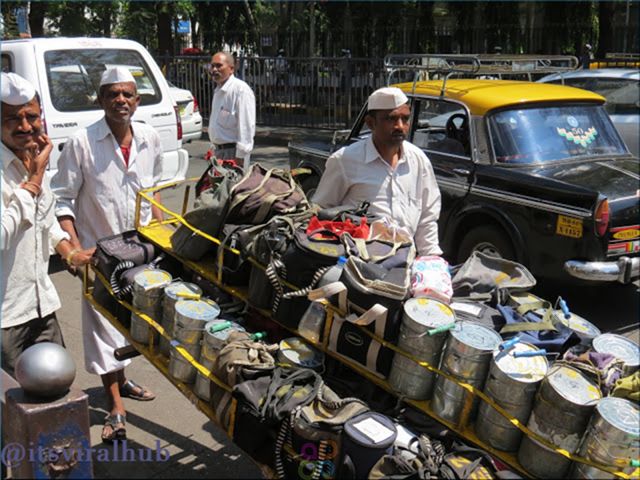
{"x": 114, "y": 428}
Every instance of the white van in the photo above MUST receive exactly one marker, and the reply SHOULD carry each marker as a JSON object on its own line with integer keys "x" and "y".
{"x": 66, "y": 72}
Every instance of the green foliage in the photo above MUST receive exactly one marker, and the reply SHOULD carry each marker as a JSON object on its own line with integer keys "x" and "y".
{"x": 368, "y": 28}
{"x": 138, "y": 22}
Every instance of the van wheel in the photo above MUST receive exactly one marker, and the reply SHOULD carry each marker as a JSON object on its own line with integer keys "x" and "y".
{"x": 488, "y": 240}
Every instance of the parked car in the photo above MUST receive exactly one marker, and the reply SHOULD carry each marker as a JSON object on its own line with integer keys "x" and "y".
{"x": 528, "y": 171}
{"x": 621, "y": 88}
{"x": 189, "y": 113}
{"x": 66, "y": 72}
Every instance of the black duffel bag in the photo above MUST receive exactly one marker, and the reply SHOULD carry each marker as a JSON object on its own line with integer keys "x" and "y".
{"x": 307, "y": 258}
{"x": 114, "y": 257}
{"x": 265, "y": 401}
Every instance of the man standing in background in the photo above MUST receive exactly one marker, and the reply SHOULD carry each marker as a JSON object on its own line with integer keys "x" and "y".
{"x": 232, "y": 123}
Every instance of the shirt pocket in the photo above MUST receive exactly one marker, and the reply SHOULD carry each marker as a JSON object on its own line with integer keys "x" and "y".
{"x": 227, "y": 119}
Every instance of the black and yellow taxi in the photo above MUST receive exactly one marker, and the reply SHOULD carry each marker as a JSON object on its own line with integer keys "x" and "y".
{"x": 528, "y": 171}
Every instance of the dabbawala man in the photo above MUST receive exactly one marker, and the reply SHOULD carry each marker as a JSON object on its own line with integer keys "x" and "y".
{"x": 393, "y": 175}
{"x": 30, "y": 232}
{"x": 100, "y": 172}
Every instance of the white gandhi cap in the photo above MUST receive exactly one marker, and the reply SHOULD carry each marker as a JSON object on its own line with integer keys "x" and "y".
{"x": 387, "y": 98}
{"x": 16, "y": 90}
{"x": 116, "y": 75}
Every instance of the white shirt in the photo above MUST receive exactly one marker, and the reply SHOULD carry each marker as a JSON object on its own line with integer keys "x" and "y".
{"x": 94, "y": 185}
{"x": 30, "y": 232}
{"x": 233, "y": 116}
{"x": 407, "y": 194}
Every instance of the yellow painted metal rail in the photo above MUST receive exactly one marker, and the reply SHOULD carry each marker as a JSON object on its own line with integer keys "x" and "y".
{"x": 159, "y": 233}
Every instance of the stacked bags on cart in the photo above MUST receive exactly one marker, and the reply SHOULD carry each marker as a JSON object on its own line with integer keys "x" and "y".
{"x": 315, "y": 433}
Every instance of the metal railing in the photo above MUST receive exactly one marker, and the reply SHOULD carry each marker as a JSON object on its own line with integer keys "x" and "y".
{"x": 322, "y": 92}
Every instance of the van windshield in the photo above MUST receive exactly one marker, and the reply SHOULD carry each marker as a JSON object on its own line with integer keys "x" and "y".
{"x": 74, "y": 75}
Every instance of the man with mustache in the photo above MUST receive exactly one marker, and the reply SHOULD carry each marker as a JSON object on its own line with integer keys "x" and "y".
{"x": 100, "y": 172}
{"x": 232, "y": 123}
{"x": 30, "y": 231}
{"x": 393, "y": 175}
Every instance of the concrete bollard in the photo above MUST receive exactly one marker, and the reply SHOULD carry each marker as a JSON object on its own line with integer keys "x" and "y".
{"x": 44, "y": 438}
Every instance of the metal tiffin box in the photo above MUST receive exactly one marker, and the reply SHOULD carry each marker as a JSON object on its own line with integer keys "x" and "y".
{"x": 512, "y": 383}
{"x": 148, "y": 287}
{"x": 620, "y": 347}
{"x": 177, "y": 290}
{"x": 612, "y": 438}
{"x": 466, "y": 357}
{"x": 421, "y": 317}
{"x": 190, "y": 320}
{"x": 563, "y": 405}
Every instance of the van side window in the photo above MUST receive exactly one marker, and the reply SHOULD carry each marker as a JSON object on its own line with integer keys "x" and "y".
{"x": 74, "y": 76}
{"x": 6, "y": 63}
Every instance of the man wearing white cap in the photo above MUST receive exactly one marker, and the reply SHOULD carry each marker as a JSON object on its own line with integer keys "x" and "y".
{"x": 100, "y": 172}
{"x": 232, "y": 123}
{"x": 393, "y": 175}
{"x": 30, "y": 231}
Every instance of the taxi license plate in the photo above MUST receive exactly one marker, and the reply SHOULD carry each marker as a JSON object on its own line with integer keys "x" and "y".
{"x": 569, "y": 226}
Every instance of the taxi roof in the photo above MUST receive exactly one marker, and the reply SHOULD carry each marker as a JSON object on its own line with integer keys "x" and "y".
{"x": 481, "y": 96}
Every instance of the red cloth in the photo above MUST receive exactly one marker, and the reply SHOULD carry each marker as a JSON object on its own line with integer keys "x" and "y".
{"x": 338, "y": 227}
{"x": 125, "y": 154}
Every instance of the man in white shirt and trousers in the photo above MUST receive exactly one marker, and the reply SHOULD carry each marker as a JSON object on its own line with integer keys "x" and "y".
{"x": 30, "y": 231}
{"x": 100, "y": 172}
{"x": 393, "y": 175}
{"x": 232, "y": 123}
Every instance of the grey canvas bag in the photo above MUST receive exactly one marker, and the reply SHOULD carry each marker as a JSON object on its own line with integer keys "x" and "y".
{"x": 483, "y": 277}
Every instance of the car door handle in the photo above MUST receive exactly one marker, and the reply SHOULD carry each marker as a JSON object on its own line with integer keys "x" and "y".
{"x": 462, "y": 171}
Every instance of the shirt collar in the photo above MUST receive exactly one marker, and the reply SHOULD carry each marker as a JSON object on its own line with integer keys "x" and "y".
{"x": 103, "y": 130}
{"x": 227, "y": 85}
{"x": 371, "y": 152}
{"x": 7, "y": 156}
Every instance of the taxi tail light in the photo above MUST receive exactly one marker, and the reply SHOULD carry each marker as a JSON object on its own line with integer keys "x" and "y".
{"x": 196, "y": 107}
{"x": 602, "y": 217}
{"x": 178, "y": 121}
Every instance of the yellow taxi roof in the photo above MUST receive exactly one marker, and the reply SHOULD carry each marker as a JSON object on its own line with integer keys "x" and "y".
{"x": 482, "y": 96}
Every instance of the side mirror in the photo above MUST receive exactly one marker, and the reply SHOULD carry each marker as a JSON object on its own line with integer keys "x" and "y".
{"x": 339, "y": 136}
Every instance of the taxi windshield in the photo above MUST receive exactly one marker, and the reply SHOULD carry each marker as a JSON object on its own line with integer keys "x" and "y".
{"x": 549, "y": 133}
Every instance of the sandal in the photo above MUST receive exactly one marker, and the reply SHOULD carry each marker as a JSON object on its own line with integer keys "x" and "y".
{"x": 114, "y": 428}
{"x": 132, "y": 390}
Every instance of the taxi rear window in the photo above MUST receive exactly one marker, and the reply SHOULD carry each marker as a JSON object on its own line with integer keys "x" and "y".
{"x": 74, "y": 76}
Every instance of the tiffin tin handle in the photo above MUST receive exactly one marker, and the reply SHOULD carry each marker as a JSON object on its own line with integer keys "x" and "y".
{"x": 188, "y": 295}
{"x": 441, "y": 329}
{"x": 219, "y": 327}
{"x": 564, "y": 307}
{"x": 258, "y": 336}
{"x": 530, "y": 353}
{"x": 509, "y": 344}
